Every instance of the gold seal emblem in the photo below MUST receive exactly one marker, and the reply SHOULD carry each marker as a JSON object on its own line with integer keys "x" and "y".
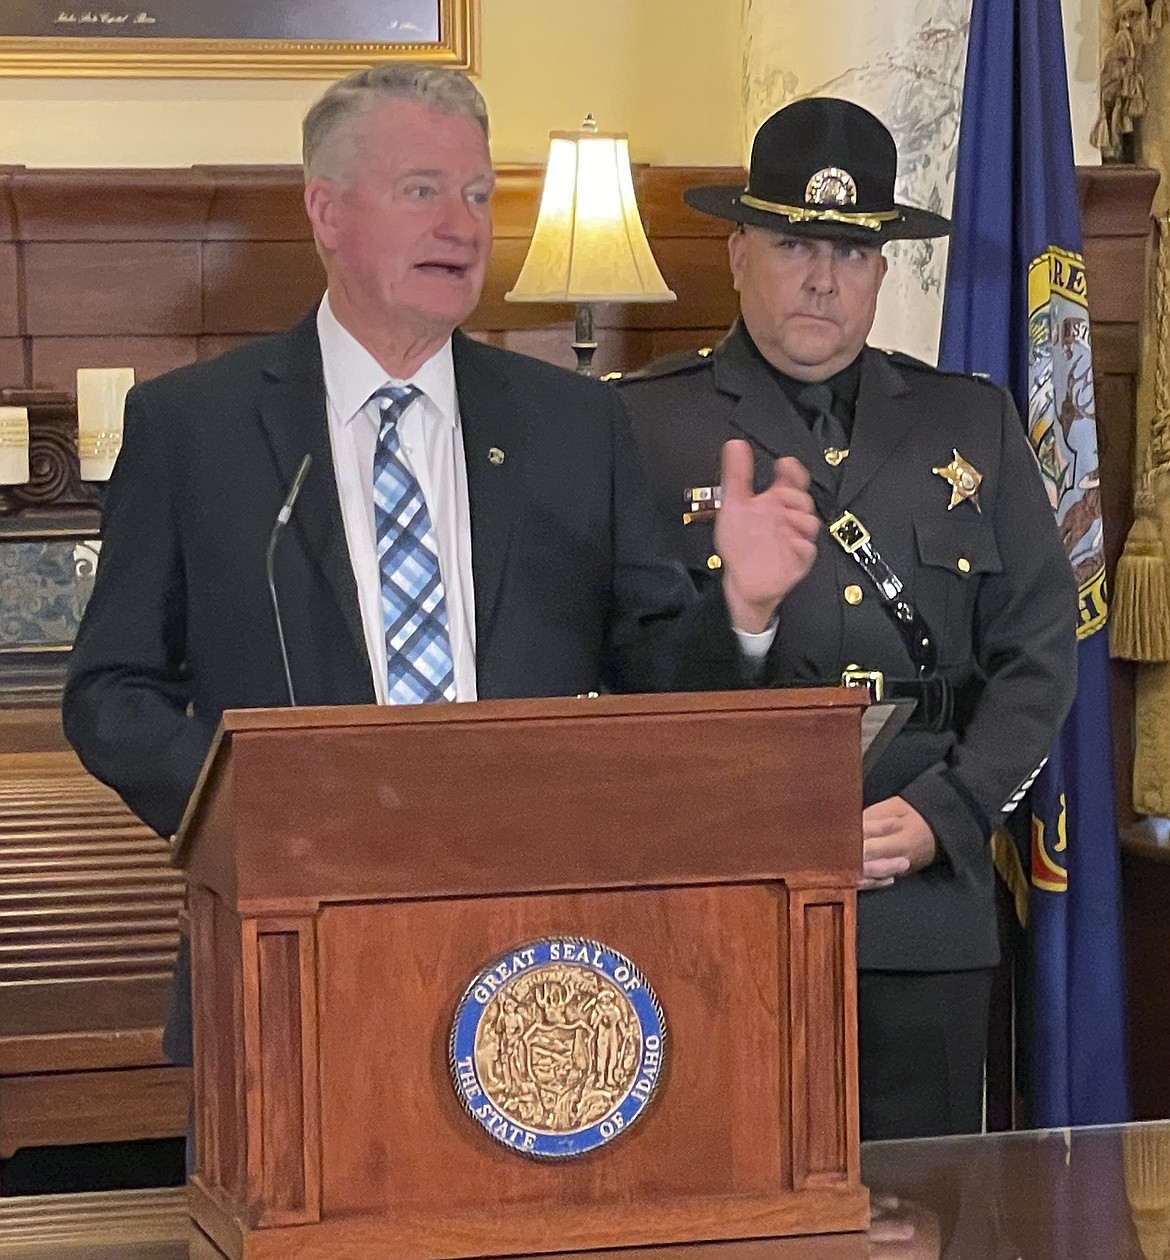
{"x": 557, "y": 1047}
{"x": 831, "y": 187}
{"x": 963, "y": 479}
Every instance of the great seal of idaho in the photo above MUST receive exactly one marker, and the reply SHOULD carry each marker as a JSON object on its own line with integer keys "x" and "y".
{"x": 557, "y": 1046}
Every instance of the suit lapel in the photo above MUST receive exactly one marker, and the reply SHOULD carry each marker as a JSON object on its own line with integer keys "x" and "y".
{"x": 763, "y": 412}
{"x": 882, "y": 422}
{"x": 494, "y": 423}
{"x": 292, "y": 412}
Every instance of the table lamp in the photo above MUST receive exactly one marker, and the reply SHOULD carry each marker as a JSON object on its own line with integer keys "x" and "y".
{"x": 588, "y": 244}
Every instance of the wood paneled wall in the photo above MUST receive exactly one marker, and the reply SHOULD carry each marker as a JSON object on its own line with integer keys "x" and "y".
{"x": 1115, "y": 217}
{"x": 155, "y": 269}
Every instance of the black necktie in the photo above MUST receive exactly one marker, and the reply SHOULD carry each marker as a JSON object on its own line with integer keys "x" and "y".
{"x": 816, "y": 401}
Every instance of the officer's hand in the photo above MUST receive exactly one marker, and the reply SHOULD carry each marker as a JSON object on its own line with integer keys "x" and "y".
{"x": 895, "y": 841}
{"x": 766, "y": 541}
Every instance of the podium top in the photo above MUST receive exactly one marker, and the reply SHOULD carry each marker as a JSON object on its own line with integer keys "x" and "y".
{"x": 591, "y": 705}
{"x": 344, "y": 802}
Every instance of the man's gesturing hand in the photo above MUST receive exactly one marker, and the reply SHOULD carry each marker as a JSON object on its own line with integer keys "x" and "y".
{"x": 766, "y": 541}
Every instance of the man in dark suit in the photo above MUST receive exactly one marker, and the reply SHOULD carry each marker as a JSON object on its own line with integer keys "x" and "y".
{"x": 473, "y": 522}
{"x": 939, "y": 576}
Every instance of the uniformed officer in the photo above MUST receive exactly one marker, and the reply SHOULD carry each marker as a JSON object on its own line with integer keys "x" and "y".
{"x": 939, "y": 577}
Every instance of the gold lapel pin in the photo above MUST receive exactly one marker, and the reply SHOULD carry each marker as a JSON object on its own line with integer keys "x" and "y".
{"x": 495, "y": 455}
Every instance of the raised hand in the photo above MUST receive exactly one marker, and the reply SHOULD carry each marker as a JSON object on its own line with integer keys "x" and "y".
{"x": 767, "y": 541}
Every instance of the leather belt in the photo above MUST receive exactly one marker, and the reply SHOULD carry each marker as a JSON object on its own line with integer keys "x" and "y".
{"x": 854, "y": 539}
{"x": 934, "y": 707}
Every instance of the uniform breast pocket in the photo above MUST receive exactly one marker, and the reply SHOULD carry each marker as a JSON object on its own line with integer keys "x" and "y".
{"x": 954, "y": 557}
{"x": 696, "y": 549}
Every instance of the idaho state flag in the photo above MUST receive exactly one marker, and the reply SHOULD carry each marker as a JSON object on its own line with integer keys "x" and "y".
{"x": 1016, "y": 309}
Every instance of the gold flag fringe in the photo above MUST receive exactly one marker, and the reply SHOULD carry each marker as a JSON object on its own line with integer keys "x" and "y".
{"x": 1146, "y": 1168}
{"x": 1006, "y": 858}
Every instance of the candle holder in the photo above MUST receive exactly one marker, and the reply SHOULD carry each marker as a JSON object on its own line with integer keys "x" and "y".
{"x": 101, "y": 399}
{"x": 14, "y": 470}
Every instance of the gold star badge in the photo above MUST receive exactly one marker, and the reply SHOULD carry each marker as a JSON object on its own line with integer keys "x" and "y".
{"x": 963, "y": 480}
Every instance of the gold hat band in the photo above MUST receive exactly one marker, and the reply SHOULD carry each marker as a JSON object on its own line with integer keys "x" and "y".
{"x": 806, "y": 214}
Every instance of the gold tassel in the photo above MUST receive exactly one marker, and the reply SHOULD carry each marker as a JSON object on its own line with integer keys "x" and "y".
{"x": 1139, "y": 620}
{"x": 1006, "y": 858}
{"x": 1139, "y": 628}
{"x": 1146, "y": 1167}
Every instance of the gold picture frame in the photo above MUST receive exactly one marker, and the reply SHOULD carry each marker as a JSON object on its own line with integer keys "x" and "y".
{"x": 121, "y": 51}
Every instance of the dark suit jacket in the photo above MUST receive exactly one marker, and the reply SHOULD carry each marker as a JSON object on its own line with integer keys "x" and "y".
{"x": 574, "y": 587}
{"x": 1004, "y": 622}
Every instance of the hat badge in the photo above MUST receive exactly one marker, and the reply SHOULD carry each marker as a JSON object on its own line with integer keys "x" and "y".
{"x": 831, "y": 186}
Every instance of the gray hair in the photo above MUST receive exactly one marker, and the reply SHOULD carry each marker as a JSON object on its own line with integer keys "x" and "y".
{"x": 358, "y": 95}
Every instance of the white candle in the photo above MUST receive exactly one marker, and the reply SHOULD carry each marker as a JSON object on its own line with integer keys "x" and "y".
{"x": 13, "y": 446}
{"x": 101, "y": 398}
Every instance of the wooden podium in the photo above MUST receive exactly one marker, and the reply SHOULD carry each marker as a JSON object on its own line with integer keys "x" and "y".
{"x": 352, "y": 869}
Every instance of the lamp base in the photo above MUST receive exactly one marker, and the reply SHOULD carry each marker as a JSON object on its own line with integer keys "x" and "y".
{"x": 584, "y": 346}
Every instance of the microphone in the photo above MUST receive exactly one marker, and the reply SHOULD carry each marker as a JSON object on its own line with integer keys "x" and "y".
{"x": 282, "y": 519}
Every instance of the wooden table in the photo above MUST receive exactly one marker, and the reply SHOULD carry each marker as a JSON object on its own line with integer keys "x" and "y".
{"x": 1096, "y": 1194}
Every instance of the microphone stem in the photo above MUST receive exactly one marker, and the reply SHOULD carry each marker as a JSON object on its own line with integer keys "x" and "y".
{"x": 282, "y": 519}
{"x": 268, "y": 564}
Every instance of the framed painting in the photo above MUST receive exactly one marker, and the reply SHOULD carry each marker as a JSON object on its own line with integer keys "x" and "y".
{"x": 231, "y": 38}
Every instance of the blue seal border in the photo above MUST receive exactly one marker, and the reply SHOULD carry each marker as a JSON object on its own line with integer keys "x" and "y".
{"x": 578, "y": 951}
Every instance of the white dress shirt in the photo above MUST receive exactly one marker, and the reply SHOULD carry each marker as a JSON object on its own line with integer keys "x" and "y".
{"x": 432, "y": 444}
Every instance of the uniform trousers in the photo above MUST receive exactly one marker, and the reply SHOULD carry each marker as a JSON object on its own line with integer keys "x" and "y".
{"x": 922, "y": 1045}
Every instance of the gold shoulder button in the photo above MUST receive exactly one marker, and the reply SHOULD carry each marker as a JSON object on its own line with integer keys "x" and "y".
{"x": 612, "y": 376}
{"x": 706, "y": 350}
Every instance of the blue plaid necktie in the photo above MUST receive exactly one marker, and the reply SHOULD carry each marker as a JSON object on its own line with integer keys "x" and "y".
{"x": 420, "y": 667}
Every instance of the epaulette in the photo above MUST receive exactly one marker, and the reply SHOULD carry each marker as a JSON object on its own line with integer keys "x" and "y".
{"x": 920, "y": 365}
{"x": 669, "y": 365}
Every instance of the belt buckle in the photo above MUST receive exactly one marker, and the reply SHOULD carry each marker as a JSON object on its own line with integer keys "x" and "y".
{"x": 849, "y": 532}
{"x": 873, "y": 680}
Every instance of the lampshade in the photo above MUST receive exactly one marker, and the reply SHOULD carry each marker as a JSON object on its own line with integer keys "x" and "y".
{"x": 588, "y": 244}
